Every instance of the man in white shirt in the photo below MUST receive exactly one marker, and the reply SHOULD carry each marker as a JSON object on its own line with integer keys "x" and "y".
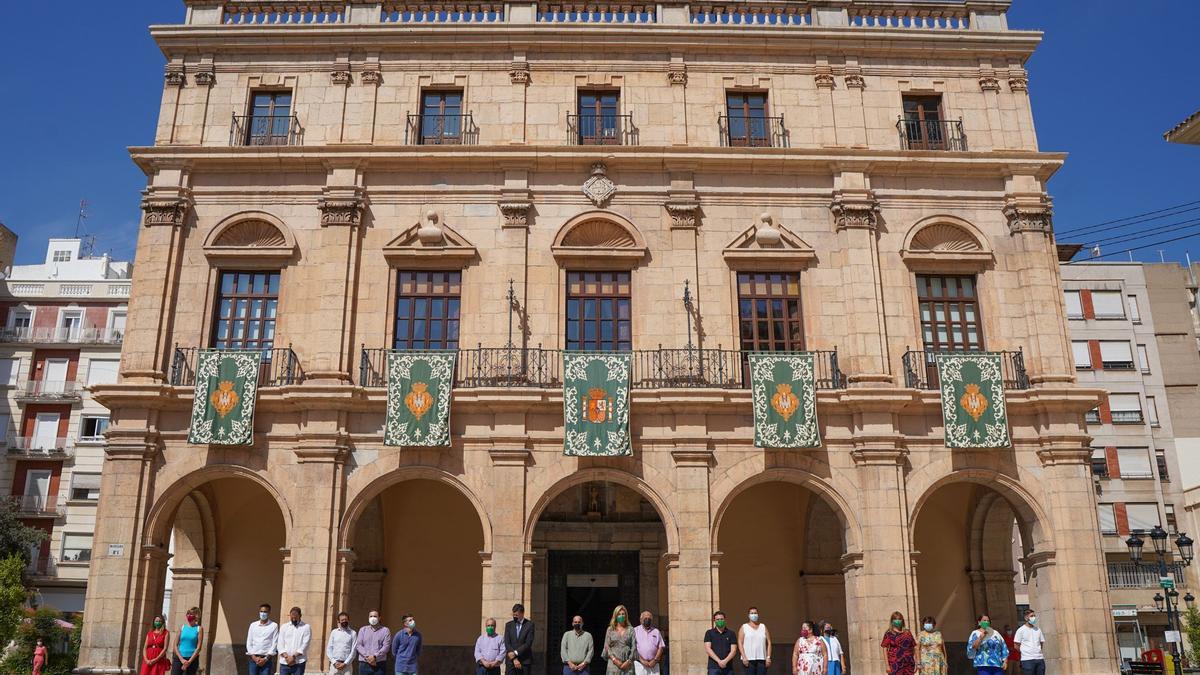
{"x": 294, "y": 638}
{"x": 340, "y": 650}
{"x": 1029, "y": 639}
{"x": 261, "y": 642}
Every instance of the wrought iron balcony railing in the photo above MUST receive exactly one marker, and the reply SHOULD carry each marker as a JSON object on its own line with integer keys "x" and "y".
{"x": 40, "y": 448}
{"x": 265, "y": 130}
{"x": 920, "y": 369}
{"x": 441, "y": 130}
{"x": 919, "y": 134}
{"x": 29, "y": 335}
{"x": 1132, "y": 575}
{"x": 49, "y": 390}
{"x": 42, "y": 567}
{"x": 651, "y": 368}
{"x": 601, "y": 130}
{"x": 752, "y": 132}
{"x": 39, "y": 505}
{"x": 280, "y": 367}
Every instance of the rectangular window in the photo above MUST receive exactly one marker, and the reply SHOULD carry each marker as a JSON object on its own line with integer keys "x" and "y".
{"x": 1074, "y": 304}
{"x": 1108, "y": 518}
{"x": 85, "y": 487}
{"x": 246, "y": 306}
{"x": 61, "y": 256}
{"x": 1126, "y": 408}
{"x": 427, "y": 310}
{"x": 1143, "y": 358}
{"x": 9, "y": 369}
{"x": 1116, "y": 355}
{"x": 1082, "y": 354}
{"x": 441, "y": 117}
{"x": 69, "y": 324}
{"x": 1099, "y": 463}
{"x": 270, "y": 120}
{"x": 1108, "y": 304}
{"x": 923, "y": 128}
{"x": 92, "y": 427}
{"x": 1135, "y": 314}
{"x": 102, "y": 371}
{"x": 949, "y": 313}
{"x": 1142, "y": 517}
{"x": 599, "y": 121}
{"x": 747, "y": 125}
{"x": 599, "y": 311}
{"x": 1152, "y": 410}
{"x": 77, "y": 547}
{"x": 1160, "y": 458}
{"x": 1171, "y": 524}
{"x": 1092, "y": 416}
{"x": 1134, "y": 463}
{"x": 769, "y": 314}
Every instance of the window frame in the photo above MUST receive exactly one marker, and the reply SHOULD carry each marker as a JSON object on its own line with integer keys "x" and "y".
{"x": 63, "y": 547}
{"x": 1096, "y": 314}
{"x": 599, "y": 278}
{"x": 272, "y": 135}
{"x": 789, "y": 321}
{"x": 71, "y": 494}
{"x": 441, "y": 137}
{"x": 1160, "y": 461}
{"x": 1100, "y": 455}
{"x": 1067, "y": 305}
{"x": 1129, "y": 364}
{"x": 1112, "y": 511}
{"x": 452, "y": 278}
{"x": 1126, "y": 457}
{"x": 94, "y": 438}
{"x": 749, "y": 139}
{"x": 218, "y": 320}
{"x": 917, "y": 127}
{"x": 1129, "y": 419}
{"x": 1087, "y": 350}
{"x": 1143, "y": 356}
{"x": 604, "y": 134}
{"x": 975, "y": 300}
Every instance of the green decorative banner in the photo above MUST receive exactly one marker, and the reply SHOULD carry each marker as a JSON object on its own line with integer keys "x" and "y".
{"x": 973, "y": 407}
{"x": 226, "y": 390}
{"x": 418, "y": 402}
{"x": 596, "y": 404}
{"x": 784, "y": 390}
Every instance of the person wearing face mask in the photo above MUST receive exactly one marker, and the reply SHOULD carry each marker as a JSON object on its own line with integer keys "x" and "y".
{"x": 650, "y": 646}
{"x": 489, "y": 650}
{"x": 518, "y": 641}
{"x": 721, "y": 646}
{"x": 406, "y": 646}
{"x": 294, "y": 638}
{"x": 754, "y": 643}
{"x": 154, "y": 653}
{"x": 899, "y": 647}
{"x": 262, "y": 640}
{"x": 931, "y": 649}
{"x": 186, "y": 660}
{"x": 339, "y": 648}
{"x": 576, "y": 648}
{"x": 986, "y": 648}
{"x": 833, "y": 649}
{"x": 372, "y": 644}
{"x": 1029, "y": 639}
{"x": 808, "y": 656}
{"x": 1012, "y": 665}
{"x": 619, "y": 648}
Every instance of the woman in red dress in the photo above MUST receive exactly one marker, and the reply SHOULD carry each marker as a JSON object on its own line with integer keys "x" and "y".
{"x": 155, "y": 654}
{"x": 40, "y": 657}
{"x": 899, "y": 647}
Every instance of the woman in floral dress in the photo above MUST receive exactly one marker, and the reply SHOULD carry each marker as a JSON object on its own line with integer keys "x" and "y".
{"x": 808, "y": 656}
{"x": 986, "y": 648}
{"x": 931, "y": 650}
{"x": 899, "y": 647}
{"x": 618, "y": 644}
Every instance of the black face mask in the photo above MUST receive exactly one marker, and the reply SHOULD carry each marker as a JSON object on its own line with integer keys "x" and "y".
{"x": 829, "y": 631}
{"x": 646, "y": 623}
{"x": 577, "y": 626}
{"x": 344, "y": 624}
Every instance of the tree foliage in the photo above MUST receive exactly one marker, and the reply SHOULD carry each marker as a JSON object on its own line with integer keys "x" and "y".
{"x": 62, "y": 643}
{"x": 1191, "y": 628}
{"x": 12, "y": 596}
{"x": 16, "y": 538}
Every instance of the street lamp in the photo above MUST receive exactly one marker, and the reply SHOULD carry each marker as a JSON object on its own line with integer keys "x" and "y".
{"x": 1162, "y": 547}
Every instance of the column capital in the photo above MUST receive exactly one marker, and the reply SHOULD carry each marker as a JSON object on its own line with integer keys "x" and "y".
{"x": 693, "y": 458}
{"x": 855, "y": 209}
{"x": 166, "y": 206}
{"x": 1037, "y": 560}
{"x": 341, "y": 205}
{"x": 518, "y": 72}
{"x": 684, "y": 212}
{"x": 677, "y": 73}
{"x": 515, "y": 210}
{"x": 1029, "y": 213}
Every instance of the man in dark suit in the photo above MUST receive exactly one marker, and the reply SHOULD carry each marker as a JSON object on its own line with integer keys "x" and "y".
{"x": 518, "y": 642}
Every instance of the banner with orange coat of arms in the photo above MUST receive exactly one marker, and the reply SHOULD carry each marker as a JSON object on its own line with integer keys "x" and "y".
{"x": 784, "y": 392}
{"x": 974, "y": 412}
{"x": 226, "y": 391}
{"x": 596, "y": 403}
{"x": 418, "y": 404}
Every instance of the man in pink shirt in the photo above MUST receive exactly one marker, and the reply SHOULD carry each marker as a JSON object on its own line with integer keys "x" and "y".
{"x": 650, "y": 646}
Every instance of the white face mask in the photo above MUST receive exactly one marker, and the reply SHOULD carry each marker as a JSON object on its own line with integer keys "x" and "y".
{"x": 263, "y": 616}
{"x": 374, "y": 621}
{"x": 411, "y": 623}
{"x": 1033, "y": 621}
{"x": 754, "y": 618}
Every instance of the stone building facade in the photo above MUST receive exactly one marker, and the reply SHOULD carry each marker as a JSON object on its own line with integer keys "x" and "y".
{"x": 688, "y": 181}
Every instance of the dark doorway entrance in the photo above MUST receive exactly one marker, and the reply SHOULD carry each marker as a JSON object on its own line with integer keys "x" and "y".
{"x": 590, "y": 584}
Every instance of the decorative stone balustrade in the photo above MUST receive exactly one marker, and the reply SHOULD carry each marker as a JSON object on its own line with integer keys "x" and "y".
{"x": 255, "y": 12}
{"x": 442, "y": 12}
{"x": 751, "y": 13}
{"x": 893, "y": 15}
{"x": 596, "y": 12}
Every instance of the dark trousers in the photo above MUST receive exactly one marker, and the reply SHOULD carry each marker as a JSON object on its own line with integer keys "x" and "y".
{"x": 757, "y": 668}
{"x": 1033, "y": 667}
{"x": 298, "y": 669}
{"x": 718, "y": 670}
{"x": 567, "y": 671}
{"x": 480, "y": 670}
{"x": 178, "y": 669}
{"x": 265, "y": 669}
{"x": 380, "y": 668}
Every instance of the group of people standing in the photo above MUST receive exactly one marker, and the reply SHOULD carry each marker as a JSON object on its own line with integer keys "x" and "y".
{"x": 989, "y": 650}
{"x": 816, "y": 652}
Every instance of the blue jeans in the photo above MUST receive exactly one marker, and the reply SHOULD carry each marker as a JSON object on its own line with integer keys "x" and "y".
{"x": 380, "y": 668}
{"x": 718, "y": 670}
{"x": 1033, "y": 667}
{"x": 265, "y": 669}
{"x": 757, "y": 667}
{"x": 480, "y": 670}
{"x": 567, "y": 671}
{"x": 298, "y": 669}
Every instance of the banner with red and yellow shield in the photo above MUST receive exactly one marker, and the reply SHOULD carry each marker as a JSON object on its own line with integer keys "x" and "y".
{"x": 784, "y": 393}
{"x": 596, "y": 403}
{"x": 226, "y": 390}
{"x": 418, "y": 403}
{"x": 974, "y": 412}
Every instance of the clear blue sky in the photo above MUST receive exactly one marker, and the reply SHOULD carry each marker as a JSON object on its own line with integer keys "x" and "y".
{"x": 82, "y": 80}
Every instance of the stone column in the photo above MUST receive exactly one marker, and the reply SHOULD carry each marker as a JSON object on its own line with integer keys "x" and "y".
{"x": 855, "y": 214}
{"x": 518, "y": 75}
{"x": 689, "y": 570}
{"x": 190, "y": 587}
{"x": 174, "y": 80}
{"x": 1069, "y": 588}
{"x": 330, "y": 357}
{"x": 370, "y": 78}
{"x": 677, "y": 77}
{"x": 313, "y": 561}
{"x": 124, "y": 580}
{"x": 989, "y": 84}
{"x": 147, "y": 348}
{"x": 826, "y": 119}
{"x": 340, "y": 79}
{"x": 507, "y": 573}
{"x": 879, "y": 579}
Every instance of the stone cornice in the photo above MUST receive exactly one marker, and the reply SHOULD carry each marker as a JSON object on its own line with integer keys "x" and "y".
{"x": 1042, "y": 165}
{"x": 596, "y": 39}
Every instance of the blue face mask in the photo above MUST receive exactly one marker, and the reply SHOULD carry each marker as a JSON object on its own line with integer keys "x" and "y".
{"x": 263, "y": 616}
{"x": 928, "y": 628}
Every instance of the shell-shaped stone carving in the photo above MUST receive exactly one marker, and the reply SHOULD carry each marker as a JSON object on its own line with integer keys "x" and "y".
{"x": 599, "y": 233}
{"x": 944, "y": 238}
{"x": 251, "y": 233}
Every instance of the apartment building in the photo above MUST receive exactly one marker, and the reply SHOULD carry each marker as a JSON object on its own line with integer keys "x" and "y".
{"x": 63, "y": 325}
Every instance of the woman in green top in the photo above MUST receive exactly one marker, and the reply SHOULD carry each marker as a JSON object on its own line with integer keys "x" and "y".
{"x": 618, "y": 643}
